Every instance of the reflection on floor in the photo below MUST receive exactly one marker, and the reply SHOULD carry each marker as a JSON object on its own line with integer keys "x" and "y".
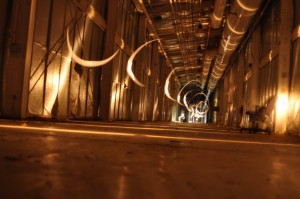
{"x": 144, "y": 160}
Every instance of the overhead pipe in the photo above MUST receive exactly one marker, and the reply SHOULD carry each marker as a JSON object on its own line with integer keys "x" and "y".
{"x": 250, "y": 32}
{"x": 238, "y": 21}
{"x": 206, "y": 65}
{"x": 216, "y": 17}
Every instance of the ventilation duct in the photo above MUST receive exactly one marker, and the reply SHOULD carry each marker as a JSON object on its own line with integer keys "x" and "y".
{"x": 217, "y": 15}
{"x": 238, "y": 20}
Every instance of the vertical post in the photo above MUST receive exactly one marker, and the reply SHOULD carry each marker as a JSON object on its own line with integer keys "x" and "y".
{"x": 106, "y": 85}
{"x": 286, "y": 18}
{"x": 136, "y": 108}
{"x": 226, "y": 99}
{"x": 174, "y": 89}
{"x": 239, "y": 91}
{"x": 162, "y": 78}
{"x": 26, "y": 78}
{"x": 152, "y": 83}
{"x": 256, "y": 43}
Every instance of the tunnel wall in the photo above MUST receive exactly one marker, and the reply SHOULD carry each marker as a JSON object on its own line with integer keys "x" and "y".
{"x": 293, "y": 125}
{"x": 49, "y": 84}
{"x": 266, "y": 71}
{"x": 59, "y": 87}
{"x": 14, "y": 19}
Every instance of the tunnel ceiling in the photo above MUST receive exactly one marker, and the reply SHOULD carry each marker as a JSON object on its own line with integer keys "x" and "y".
{"x": 200, "y": 33}
{"x": 183, "y": 27}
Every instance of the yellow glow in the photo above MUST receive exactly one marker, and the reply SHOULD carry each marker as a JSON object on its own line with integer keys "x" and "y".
{"x": 65, "y": 130}
{"x": 296, "y": 107}
{"x": 130, "y": 60}
{"x": 246, "y": 7}
{"x": 51, "y": 95}
{"x": 95, "y": 17}
{"x": 221, "y": 69}
{"x": 216, "y": 18}
{"x": 148, "y": 71}
{"x": 281, "y": 112}
{"x": 215, "y": 75}
{"x": 270, "y": 55}
{"x": 89, "y": 63}
{"x": 282, "y": 103}
{"x": 97, "y": 132}
{"x": 132, "y": 125}
{"x": 226, "y": 46}
{"x": 233, "y": 30}
{"x": 59, "y": 80}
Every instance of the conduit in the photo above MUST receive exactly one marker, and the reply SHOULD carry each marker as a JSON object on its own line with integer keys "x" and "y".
{"x": 238, "y": 20}
{"x": 217, "y": 15}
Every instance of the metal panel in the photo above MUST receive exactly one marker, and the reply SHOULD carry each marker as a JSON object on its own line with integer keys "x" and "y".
{"x": 57, "y": 86}
{"x": 270, "y": 29}
{"x": 296, "y": 13}
{"x": 293, "y": 125}
{"x": 36, "y": 84}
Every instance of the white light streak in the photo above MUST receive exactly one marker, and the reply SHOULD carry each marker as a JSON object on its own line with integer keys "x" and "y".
{"x": 167, "y": 83}
{"x": 178, "y": 96}
{"x": 129, "y": 63}
{"x": 89, "y": 63}
{"x": 185, "y": 102}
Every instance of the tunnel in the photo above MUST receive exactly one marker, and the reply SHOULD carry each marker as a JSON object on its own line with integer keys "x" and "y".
{"x": 145, "y": 67}
{"x": 75, "y": 60}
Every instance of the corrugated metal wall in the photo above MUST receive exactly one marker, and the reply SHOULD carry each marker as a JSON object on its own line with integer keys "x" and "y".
{"x": 129, "y": 101}
{"x": 269, "y": 53}
{"x": 13, "y": 45}
{"x": 58, "y": 86}
{"x": 236, "y": 91}
{"x": 122, "y": 88}
{"x": 4, "y": 10}
{"x": 293, "y": 125}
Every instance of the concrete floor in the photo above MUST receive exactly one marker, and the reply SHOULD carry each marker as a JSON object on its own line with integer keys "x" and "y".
{"x": 119, "y": 160}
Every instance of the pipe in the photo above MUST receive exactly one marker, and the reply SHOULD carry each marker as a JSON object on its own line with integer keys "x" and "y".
{"x": 238, "y": 21}
{"x": 205, "y": 71}
{"x": 217, "y": 15}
